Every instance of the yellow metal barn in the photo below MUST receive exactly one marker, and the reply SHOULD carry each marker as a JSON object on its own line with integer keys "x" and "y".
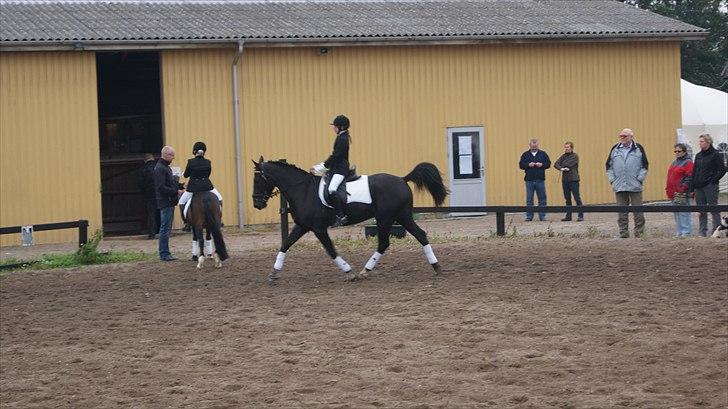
{"x": 86, "y": 88}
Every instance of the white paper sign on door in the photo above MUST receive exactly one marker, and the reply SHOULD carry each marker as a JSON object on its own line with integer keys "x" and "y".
{"x": 464, "y": 145}
{"x": 466, "y": 164}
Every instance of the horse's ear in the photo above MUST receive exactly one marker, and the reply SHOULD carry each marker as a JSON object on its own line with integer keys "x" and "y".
{"x": 256, "y": 165}
{"x": 261, "y": 159}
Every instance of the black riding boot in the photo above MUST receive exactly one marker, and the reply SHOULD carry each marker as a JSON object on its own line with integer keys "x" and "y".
{"x": 187, "y": 226}
{"x": 338, "y": 202}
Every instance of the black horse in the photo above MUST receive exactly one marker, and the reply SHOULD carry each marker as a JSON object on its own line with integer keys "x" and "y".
{"x": 205, "y": 213}
{"x": 391, "y": 202}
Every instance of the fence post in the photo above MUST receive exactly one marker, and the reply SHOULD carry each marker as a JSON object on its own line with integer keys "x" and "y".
{"x": 500, "y": 223}
{"x": 82, "y": 232}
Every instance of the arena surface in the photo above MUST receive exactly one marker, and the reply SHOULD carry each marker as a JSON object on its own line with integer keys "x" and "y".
{"x": 517, "y": 322}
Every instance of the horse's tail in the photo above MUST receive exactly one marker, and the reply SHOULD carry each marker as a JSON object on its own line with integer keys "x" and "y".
{"x": 213, "y": 226}
{"x": 427, "y": 175}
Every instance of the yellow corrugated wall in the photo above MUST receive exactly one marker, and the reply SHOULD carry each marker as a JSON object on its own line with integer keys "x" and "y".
{"x": 401, "y": 100}
{"x": 49, "y": 144}
{"x": 197, "y": 106}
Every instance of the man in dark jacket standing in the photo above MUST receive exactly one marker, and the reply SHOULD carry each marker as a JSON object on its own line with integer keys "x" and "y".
{"x": 535, "y": 162}
{"x": 707, "y": 171}
{"x": 167, "y": 196}
{"x": 150, "y": 195}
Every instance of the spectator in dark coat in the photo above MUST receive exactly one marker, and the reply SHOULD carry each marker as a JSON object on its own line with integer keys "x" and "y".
{"x": 146, "y": 184}
{"x": 568, "y": 164}
{"x": 167, "y": 195}
{"x": 707, "y": 171}
{"x": 535, "y": 162}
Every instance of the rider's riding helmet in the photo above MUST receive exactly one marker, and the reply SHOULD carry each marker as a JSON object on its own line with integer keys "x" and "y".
{"x": 341, "y": 122}
{"x": 199, "y": 146}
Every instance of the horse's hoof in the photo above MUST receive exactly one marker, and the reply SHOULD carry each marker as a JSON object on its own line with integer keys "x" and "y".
{"x": 273, "y": 277}
{"x": 437, "y": 268}
{"x": 351, "y": 276}
{"x": 200, "y": 262}
{"x": 218, "y": 263}
{"x": 364, "y": 273}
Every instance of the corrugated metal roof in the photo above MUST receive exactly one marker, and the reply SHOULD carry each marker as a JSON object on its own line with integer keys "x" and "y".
{"x": 113, "y": 22}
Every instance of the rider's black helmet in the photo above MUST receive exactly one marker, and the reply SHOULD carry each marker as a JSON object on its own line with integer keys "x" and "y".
{"x": 198, "y": 146}
{"x": 341, "y": 122}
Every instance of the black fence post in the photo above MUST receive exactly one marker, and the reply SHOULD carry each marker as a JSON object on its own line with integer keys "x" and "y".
{"x": 500, "y": 223}
{"x": 82, "y": 232}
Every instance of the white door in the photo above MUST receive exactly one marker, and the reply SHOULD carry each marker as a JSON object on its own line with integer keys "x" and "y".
{"x": 465, "y": 152}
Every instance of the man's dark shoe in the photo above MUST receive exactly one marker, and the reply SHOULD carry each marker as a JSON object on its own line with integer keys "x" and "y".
{"x": 580, "y": 219}
{"x": 566, "y": 219}
{"x": 169, "y": 258}
{"x": 528, "y": 220}
{"x": 340, "y": 221}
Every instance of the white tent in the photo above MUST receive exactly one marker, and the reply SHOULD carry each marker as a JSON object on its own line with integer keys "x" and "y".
{"x": 704, "y": 110}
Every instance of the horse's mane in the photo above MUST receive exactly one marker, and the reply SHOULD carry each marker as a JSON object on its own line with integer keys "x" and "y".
{"x": 288, "y": 165}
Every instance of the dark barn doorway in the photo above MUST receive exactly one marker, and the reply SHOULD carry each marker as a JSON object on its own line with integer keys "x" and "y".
{"x": 130, "y": 125}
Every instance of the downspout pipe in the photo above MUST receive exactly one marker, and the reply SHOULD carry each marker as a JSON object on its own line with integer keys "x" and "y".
{"x": 236, "y": 116}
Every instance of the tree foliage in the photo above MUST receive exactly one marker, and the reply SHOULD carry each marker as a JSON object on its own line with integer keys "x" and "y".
{"x": 702, "y": 61}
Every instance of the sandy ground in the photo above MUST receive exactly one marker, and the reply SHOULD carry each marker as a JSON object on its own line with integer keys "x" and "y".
{"x": 567, "y": 319}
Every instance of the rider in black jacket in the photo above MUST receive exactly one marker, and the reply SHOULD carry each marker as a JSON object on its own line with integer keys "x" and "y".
{"x": 197, "y": 172}
{"x": 338, "y": 164}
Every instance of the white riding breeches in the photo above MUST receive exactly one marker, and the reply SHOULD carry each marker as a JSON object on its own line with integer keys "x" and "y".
{"x": 186, "y": 196}
{"x": 335, "y": 182}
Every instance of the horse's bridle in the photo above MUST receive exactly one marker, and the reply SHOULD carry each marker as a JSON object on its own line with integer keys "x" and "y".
{"x": 273, "y": 190}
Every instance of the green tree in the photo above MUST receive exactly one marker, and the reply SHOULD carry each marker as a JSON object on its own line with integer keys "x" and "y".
{"x": 702, "y": 61}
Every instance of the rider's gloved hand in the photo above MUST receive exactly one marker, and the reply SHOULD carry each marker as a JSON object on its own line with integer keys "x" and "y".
{"x": 318, "y": 169}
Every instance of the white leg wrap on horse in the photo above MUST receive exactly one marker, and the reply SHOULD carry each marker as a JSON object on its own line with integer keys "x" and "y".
{"x": 208, "y": 247}
{"x": 430, "y": 255}
{"x": 343, "y": 265}
{"x": 195, "y": 248}
{"x": 373, "y": 260}
{"x": 280, "y": 258}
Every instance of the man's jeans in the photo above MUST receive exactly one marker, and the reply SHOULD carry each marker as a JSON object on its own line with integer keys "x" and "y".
{"x": 539, "y": 187}
{"x": 707, "y": 195}
{"x": 571, "y": 188}
{"x": 165, "y": 226}
{"x": 634, "y": 199}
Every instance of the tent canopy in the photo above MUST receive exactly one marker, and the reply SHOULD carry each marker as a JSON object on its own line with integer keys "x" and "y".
{"x": 702, "y": 105}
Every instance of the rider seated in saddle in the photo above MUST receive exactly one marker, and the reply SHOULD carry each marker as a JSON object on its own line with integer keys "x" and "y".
{"x": 198, "y": 173}
{"x": 338, "y": 164}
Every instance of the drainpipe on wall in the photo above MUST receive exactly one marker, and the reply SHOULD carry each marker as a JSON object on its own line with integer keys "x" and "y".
{"x": 236, "y": 115}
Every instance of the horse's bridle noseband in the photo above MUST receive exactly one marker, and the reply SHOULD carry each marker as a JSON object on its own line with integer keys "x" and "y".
{"x": 265, "y": 196}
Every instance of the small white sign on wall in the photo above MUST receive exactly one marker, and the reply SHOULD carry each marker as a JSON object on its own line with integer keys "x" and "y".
{"x": 680, "y": 136}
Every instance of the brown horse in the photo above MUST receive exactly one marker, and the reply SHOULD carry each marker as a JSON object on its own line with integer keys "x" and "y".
{"x": 205, "y": 213}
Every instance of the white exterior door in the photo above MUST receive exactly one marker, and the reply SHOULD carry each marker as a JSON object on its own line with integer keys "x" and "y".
{"x": 466, "y": 167}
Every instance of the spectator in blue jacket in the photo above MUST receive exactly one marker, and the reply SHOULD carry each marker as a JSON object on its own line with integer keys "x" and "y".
{"x": 535, "y": 162}
{"x": 627, "y": 169}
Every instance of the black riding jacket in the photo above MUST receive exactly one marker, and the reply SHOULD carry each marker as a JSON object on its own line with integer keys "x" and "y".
{"x": 198, "y": 172}
{"x": 338, "y": 162}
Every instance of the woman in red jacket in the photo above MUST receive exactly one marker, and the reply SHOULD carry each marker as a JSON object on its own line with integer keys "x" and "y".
{"x": 677, "y": 187}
